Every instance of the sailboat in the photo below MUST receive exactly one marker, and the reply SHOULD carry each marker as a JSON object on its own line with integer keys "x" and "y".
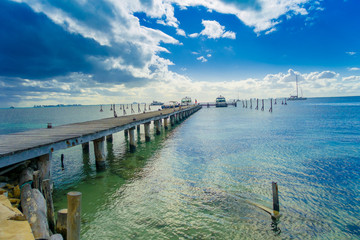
{"x": 296, "y": 97}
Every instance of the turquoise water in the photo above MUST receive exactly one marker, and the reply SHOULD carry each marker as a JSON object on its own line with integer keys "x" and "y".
{"x": 199, "y": 179}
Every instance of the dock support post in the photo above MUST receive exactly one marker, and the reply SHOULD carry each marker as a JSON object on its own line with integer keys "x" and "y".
{"x": 44, "y": 165}
{"x": 49, "y": 203}
{"x": 157, "y": 124}
{"x": 165, "y": 123}
{"x": 109, "y": 138}
{"x": 99, "y": 152}
{"x": 172, "y": 120}
{"x": 262, "y": 107}
{"x": 61, "y": 222}
{"x": 85, "y": 148}
{"x": 275, "y": 191}
{"x": 132, "y": 139}
{"x": 73, "y": 215}
{"x": 147, "y": 131}
{"x": 138, "y": 128}
{"x": 126, "y": 133}
{"x": 270, "y": 110}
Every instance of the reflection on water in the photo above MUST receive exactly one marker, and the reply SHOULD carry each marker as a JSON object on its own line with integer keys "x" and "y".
{"x": 198, "y": 180}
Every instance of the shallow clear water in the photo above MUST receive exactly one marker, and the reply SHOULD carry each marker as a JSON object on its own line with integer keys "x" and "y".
{"x": 199, "y": 179}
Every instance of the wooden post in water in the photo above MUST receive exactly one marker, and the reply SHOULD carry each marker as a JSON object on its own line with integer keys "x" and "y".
{"x": 270, "y": 110}
{"x": 109, "y": 138}
{"x": 157, "y": 124}
{"x": 61, "y": 221}
{"x": 276, "y": 206}
{"x": 138, "y": 129}
{"x": 73, "y": 215}
{"x": 85, "y": 148}
{"x": 172, "y": 120}
{"x": 126, "y": 133}
{"x": 62, "y": 162}
{"x": 147, "y": 131}
{"x": 165, "y": 123}
{"x": 262, "y": 107}
{"x": 49, "y": 203}
{"x": 250, "y": 103}
{"x": 132, "y": 139}
{"x": 245, "y": 103}
{"x": 99, "y": 152}
{"x": 257, "y": 104}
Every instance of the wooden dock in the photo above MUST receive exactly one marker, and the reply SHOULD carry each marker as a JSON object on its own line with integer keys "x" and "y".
{"x": 22, "y": 146}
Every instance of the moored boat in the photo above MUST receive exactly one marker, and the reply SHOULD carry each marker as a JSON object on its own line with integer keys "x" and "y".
{"x": 220, "y": 102}
{"x": 186, "y": 101}
{"x": 296, "y": 97}
{"x": 171, "y": 104}
{"x": 154, "y": 103}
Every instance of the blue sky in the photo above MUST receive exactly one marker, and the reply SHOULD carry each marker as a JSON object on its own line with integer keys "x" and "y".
{"x": 93, "y": 51}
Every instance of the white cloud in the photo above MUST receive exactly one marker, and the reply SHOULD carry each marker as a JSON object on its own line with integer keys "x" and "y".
{"x": 180, "y": 32}
{"x": 208, "y": 55}
{"x": 351, "y": 53}
{"x": 193, "y": 35}
{"x": 202, "y": 59}
{"x": 262, "y": 18}
{"x": 214, "y": 30}
{"x": 270, "y": 31}
{"x": 354, "y": 69}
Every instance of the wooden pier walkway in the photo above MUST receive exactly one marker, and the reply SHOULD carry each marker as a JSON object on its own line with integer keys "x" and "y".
{"x": 22, "y": 146}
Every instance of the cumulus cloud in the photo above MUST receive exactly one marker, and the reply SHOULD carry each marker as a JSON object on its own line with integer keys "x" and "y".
{"x": 180, "y": 32}
{"x": 261, "y": 15}
{"x": 214, "y": 30}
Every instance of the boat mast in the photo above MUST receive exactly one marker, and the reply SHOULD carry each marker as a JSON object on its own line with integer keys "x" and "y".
{"x": 297, "y": 91}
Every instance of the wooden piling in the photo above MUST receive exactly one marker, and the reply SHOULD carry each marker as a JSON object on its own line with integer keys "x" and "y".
{"x": 270, "y": 110}
{"x": 250, "y": 103}
{"x": 36, "y": 179}
{"x": 276, "y": 206}
{"x": 138, "y": 128}
{"x": 73, "y": 215}
{"x": 165, "y": 123}
{"x": 85, "y": 148}
{"x": 132, "y": 139}
{"x": 157, "y": 124}
{"x": 109, "y": 138}
{"x": 62, "y": 162}
{"x": 126, "y": 133}
{"x": 44, "y": 165}
{"x": 262, "y": 107}
{"x": 61, "y": 222}
{"x": 172, "y": 120}
{"x": 99, "y": 152}
{"x": 147, "y": 131}
{"x": 49, "y": 203}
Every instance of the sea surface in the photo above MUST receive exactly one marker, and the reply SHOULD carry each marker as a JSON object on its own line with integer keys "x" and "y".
{"x": 202, "y": 178}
